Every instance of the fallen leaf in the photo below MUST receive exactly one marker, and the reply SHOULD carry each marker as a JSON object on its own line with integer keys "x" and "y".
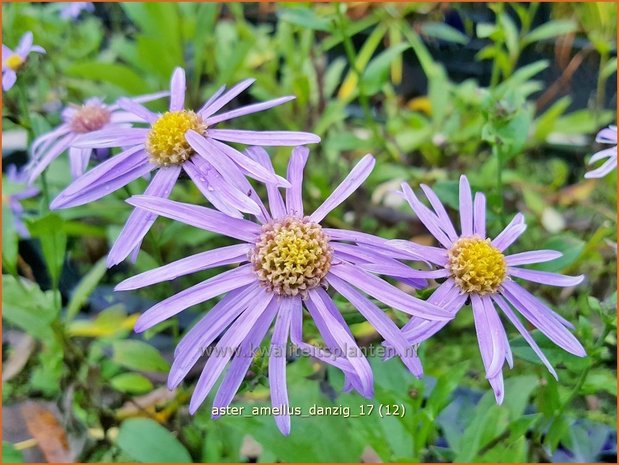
{"x": 18, "y": 358}
{"x": 47, "y": 430}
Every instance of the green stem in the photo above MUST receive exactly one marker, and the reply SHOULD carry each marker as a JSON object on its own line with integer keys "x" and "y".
{"x": 352, "y": 58}
{"x": 601, "y": 89}
{"x": 498, "y": 153}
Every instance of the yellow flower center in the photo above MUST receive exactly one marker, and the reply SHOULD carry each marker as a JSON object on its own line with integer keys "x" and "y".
{"x": 89, "y": 117}
{"x": 166, "y": 142}
{"x": 476, "y": 265}
{"x": 291, "y": 256}
{"x": 14, "y": 62}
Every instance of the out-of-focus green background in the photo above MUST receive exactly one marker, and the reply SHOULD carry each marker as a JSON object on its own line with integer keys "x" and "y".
{"x": 429, "y": 89}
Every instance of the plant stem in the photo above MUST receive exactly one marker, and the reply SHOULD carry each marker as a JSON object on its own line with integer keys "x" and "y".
{"x": 498, "y": 153}
{"x": 352, "y": 59}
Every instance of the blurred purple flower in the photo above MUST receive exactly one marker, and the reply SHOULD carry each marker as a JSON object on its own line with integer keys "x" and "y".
{"x": 605, "y": 136}
{"x": 287, "y": 260}
{"x": 477, "y": 270}
{"x": 179, "y": 139}
{"x": 72, "y": 10}
{"x": 79, "y": 120}
{"x": 12, "y": 61}
{"x": 14, "y": 199}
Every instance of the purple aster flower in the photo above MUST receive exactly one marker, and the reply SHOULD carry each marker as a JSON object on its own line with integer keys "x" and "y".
{"x": 14, "y": 199}
{"x": 180, "y": 139}
{"x": 286, "y": 262}
{"x": 79, "y": 120}
{"x": 605, "y": 136}
{"x": 476, "y": 270}
{"x": 12, "y": 61}
{"x": 72, "y": 10}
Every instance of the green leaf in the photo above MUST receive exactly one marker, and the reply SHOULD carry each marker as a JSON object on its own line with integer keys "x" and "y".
{"x": 50, "y": 232}
{"x": 131, "y": 383}
{"x": 84, "y": 288}
{"x": 10, "y": 454}
{"x": 10, "y": 240}
{"x": 112, "y": 73}
{"x": 140, "y": 356}
{"x": 148, "y": 442}
{"x": 571, "y": 247}
{"x": 518, "y": 389}
{"x": 27, "y": 307}
{"x": 375, "y": 74}
{"x": 550, "y": 30}
{"x": 444, "y": 32}
{"x": 307, "y": 18}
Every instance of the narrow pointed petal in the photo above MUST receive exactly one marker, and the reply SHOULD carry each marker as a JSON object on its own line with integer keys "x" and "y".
{"x": 603, "y": 170}
{"x": 78, "y": 159}
{"x": 202, "y": 182}
{"x": 39, "y": 166}
{"x": 446, "y": 223}
{"x": 101, "y": 188}
{"x": 140, "y": 221}
{"x": 210, "y": 327}
{"x": 137, "y": 109}
{"x": 200, "y": 217}
{"x": 545, "y": 277}
{"x": 201, "y": 261}
{"x": 254, "y": 169}
{"x": 383, "y": 324}
{"x": 241, "y": 362}
{"x": 247, "y": 110}
{"x": 267, "y": 138}
{"x": 204, "y": 110}
{"x": 511, "y": 232}
{"x": 429, "y": 219}
{"x": 466, "y": 207}
{"x": 479, "y": 215}
{"x": 294, "y": 306}
{"x": 109, "y": 169}
{"x": 277, "y": 370}
{"x": 294, "y": 195}
{"x": 177, "y": 90}
{"x": 497, "y": 386}
{"x": 537, "y": 256}
{"x": 218, "y": 103}
{"x": 524, "y": 333}
{"x": 226, "y": 346}
{"x": 8, "y": 79}
{"x": 349, "y": 185}
{"x": 387, "y": 293}
{"x": 543, "y": 318}
{"x": 317, "y": 308}
{"x": 276, "y": 202}
{"x": 488, "y": 337}
{"x": 217, "y": 285}
{"x": 116, "y": 137}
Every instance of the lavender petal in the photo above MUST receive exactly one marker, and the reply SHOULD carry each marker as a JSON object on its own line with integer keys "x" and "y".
{"x": 217, "y": 285}
{"x": 349, "y": 185}
{"x": 140, "y": 221}
{"x": 246, "y": 110}
{"x": 200, "y": 217}
{"x": 265, "y": 138}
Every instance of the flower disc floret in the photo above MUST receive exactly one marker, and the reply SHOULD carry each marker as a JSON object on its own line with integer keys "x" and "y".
{"x": 166, "y": 144}
{"x": 89, "y": 117}
{"x": 14, "y": 62}
{"x": 476, "y": 265}
{"x": 291, "y": 256}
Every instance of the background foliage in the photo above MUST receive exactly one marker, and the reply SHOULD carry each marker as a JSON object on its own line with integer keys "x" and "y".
{"x": 509, "y": 94}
